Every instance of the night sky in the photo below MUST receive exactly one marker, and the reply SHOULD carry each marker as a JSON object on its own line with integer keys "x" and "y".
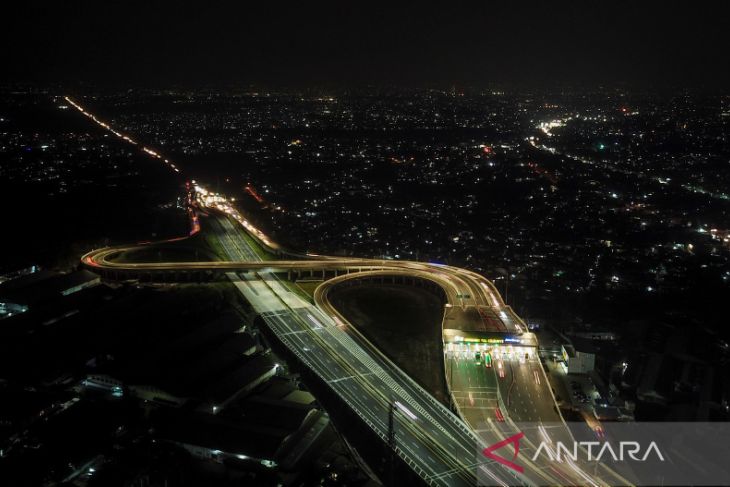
{"x": 539, "y": 44}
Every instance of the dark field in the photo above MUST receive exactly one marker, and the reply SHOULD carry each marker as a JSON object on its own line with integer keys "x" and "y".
{"x": 405, "y": 323}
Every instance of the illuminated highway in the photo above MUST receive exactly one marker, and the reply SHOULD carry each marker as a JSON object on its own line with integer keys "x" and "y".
{"x": 441, "y": 447}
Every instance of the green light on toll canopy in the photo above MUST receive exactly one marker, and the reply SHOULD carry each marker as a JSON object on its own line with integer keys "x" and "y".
{"x": 601, "y": 146}
{"x": 484, "y": 340}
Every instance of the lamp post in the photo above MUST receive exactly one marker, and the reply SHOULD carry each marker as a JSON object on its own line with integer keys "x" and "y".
{"x": 395, "y": 406}
{"x": 504, "y": 274}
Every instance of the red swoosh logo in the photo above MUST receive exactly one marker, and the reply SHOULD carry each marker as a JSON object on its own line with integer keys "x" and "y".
{"x": 514, "y": 440}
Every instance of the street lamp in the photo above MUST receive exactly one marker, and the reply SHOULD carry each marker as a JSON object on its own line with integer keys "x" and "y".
{"x": 504, "y": 274}
{"x": 395, "y": 406}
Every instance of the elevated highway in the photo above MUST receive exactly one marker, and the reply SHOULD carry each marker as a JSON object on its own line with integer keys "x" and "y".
{"x": 440, "y": 447}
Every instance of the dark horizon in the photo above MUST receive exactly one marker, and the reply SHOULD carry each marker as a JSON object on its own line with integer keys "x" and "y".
{"x": 672, "y": 46}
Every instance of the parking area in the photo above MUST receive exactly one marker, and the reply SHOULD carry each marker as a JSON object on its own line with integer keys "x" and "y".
{"x": 573, "y": 391}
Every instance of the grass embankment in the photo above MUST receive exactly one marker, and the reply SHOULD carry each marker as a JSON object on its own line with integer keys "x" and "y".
{"x": 307, "y": 287}
{"x": 256, "y": 246}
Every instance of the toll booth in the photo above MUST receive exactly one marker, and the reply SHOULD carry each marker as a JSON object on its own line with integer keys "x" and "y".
{"x": 488, "y": 345}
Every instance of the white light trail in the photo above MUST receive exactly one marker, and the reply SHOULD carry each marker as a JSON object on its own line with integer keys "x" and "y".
{"x": 317, "y": 324}
{"x": 405, "y": 410}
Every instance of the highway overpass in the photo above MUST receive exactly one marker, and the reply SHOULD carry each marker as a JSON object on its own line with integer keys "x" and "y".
{"x": 440, "y": 447}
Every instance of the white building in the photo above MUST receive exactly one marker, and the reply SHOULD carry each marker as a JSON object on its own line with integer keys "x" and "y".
{"x": 578, "y": 361}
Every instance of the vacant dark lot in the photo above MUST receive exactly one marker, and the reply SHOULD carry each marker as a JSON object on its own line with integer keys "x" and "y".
{"x": 405, "y": 323}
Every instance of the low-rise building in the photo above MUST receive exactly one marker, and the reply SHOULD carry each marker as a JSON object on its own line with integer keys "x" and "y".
{"x": 579, "y": 357}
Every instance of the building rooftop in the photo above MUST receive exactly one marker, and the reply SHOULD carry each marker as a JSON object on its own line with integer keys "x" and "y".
{"x": 219, "y": 433}
{"x": 43, "y": 286}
